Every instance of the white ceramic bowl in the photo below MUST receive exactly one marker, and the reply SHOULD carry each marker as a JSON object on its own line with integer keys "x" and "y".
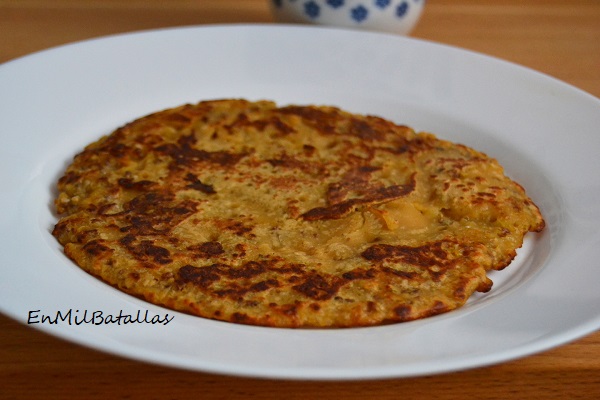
{"x": 396, "y": 16}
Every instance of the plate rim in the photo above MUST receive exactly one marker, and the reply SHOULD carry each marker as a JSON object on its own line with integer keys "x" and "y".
{"x": 566, "y": 336}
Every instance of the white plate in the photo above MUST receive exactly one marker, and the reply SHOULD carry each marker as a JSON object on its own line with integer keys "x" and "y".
{"x": 545, "y": 132}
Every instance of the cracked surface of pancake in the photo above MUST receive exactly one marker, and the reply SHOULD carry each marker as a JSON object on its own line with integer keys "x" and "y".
{"x": 292, "y": 216}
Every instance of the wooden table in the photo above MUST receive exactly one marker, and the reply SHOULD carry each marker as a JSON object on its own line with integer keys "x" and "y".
{"x": 560, "y": 38}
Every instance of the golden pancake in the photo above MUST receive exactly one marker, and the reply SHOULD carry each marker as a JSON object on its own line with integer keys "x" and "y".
{"x": 295, "y": 216}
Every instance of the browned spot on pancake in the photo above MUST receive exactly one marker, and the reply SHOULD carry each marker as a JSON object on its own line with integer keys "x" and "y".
{"x": 239, "y": 291}
{"x": 287, "y": 309}
{"x": 240, "y": 249}
{"x": 236, "y": 227}
{"x": 96, "y": 247}
{"x": 319, "y": 287}
{"x": 286, "y": 161}
{"x": 68, "y": 178}
{"x": 428, "y": 255}
{"x": 281, "y": 127}
{"x": 243, "y": 121}
{"x": 372, "y": 196}
{"x": 461, "y": 291}
{"x": 214, "y": 272}
{"x": 371, "y": 306}
{"x": 150, "y": 203}
{"x": 360, "y": 273}
{"x": 240, "y": 318}
{"x": 176, "y": 119}
{"x": 309, "y": 150}
{"x": 320, "y": 119}
{"x": 366, "y": 130}
{"x": 184, "y": 154}
{"x": 335, "y": 211}
{"x": 437, "y": 308}
{"x": 201, "y": 276}
{"x": 402, "y": 274}
{"x": 403, "y": 312}
{"x": 485, "y": 286}
{"x": 432, "y": 257}
{"x": 355, "y": 181}
{"x": 146, "y": 251}
{"x": 155, "y": 213}
{"x": 196, "y": 184}
{"x": 206, "y": 250}
{"x": 142, "y": 185}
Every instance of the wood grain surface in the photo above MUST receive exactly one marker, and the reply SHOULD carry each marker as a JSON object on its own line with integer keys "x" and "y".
{"x": 558, "y": 38}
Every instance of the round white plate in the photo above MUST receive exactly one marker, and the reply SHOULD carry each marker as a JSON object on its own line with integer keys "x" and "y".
{"x": 545, "y": 132}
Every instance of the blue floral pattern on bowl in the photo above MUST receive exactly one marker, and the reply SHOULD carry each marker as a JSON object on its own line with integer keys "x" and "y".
{"x": 312, "y": 9}
{"x": 382, "y": 3}
{"x": 402, "y": 9}
{"x": 386, "y": 15}
{"x": 335, "y": 3}
{"x": 359, "y": 13}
